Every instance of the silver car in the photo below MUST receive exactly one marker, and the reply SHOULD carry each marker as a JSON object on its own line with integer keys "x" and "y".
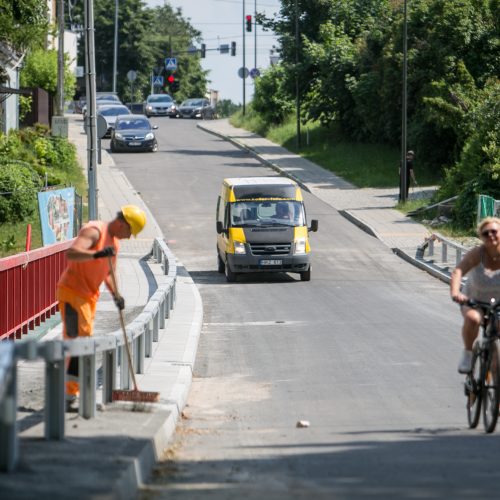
{"x": 110, "y": 112}
{"x": 197, "y": 108}
{"x": 159, "y": 105}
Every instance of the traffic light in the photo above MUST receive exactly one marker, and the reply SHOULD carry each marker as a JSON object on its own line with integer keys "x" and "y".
{"x": 170, "y": 79}
{"x": 233, "y": 48}
{"x": 203, "y": 50}
{"x": 248, "y": 20}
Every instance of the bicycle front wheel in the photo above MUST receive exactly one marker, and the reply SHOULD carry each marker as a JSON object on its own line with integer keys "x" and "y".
{"x": 491, "y": 388}
{"x": 473, "y": 392}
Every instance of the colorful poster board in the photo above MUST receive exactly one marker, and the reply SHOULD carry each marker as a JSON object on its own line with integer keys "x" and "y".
{"x": 57, "y": 209}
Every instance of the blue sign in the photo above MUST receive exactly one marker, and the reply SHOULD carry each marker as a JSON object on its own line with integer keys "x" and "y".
{"x": 57, "y": 209}
{"x": 157, "y": 80}
{"x": 171, "y": 63}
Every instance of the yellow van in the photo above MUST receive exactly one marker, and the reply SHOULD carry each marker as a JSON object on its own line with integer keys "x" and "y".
{"x": 262, "y": 227}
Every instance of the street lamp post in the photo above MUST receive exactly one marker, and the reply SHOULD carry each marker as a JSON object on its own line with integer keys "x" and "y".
{"x": 403, "y": 173}
{"x": 244, "y": 65}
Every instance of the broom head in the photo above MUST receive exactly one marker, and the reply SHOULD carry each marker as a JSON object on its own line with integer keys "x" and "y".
{"x": 136, "y": 396}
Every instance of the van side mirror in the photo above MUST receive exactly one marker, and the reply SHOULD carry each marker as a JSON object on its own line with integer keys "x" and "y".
{"x": 219, "y": 227}
{"x": 314, "y": 226}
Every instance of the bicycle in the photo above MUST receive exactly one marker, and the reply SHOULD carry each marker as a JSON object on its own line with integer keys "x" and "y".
{"x": 482, "y": 383}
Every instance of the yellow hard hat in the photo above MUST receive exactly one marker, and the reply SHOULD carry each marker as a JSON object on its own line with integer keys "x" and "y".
{"x": 135, "y": 217}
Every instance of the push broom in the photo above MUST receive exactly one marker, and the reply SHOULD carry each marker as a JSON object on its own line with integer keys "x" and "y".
{"x": 135, "y": 394}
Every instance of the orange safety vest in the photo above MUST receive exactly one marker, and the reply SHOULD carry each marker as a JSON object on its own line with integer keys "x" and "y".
{"x": 85, "y": 278}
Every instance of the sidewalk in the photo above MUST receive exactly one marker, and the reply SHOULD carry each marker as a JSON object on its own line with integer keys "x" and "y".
{"x": 369, "y": 208}
{"x": 109, "y": 456}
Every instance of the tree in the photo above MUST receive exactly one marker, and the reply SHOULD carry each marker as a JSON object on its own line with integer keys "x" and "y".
{"x": 40, "y": 70}
{"x": 23, "y": 24}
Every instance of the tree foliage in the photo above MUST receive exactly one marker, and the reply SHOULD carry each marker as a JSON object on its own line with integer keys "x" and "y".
{"x": 146, "y": 36}
{"x": 350, "y": 72}
{"x": 40, "y": 70}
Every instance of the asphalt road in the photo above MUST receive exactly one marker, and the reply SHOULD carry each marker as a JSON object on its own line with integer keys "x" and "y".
{"x": 366, "y": 352}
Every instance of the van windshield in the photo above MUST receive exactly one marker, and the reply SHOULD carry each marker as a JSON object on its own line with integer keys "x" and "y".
{"x": 267, "y": 213}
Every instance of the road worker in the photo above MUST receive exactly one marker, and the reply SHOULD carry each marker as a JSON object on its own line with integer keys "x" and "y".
{"x": 88, "y": 266}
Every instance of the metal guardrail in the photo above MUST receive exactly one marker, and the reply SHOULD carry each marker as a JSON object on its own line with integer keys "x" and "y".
{"x": 449, "y": 249}
{"x": 141, "y": 333}
{"x": 439, "y": 256}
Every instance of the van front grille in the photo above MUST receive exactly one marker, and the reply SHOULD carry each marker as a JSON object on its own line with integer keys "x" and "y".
{"x": 270, "y": 248}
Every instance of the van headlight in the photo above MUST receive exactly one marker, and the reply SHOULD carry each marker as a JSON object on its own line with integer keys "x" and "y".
{"x": 300, "y": 246}
{"x": 239, "y": 248}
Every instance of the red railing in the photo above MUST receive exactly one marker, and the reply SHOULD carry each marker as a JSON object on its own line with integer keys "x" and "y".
{"x": 28, "y": 288}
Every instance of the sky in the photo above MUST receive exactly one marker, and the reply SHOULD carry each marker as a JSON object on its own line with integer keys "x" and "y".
{"x": 221, "y": 22}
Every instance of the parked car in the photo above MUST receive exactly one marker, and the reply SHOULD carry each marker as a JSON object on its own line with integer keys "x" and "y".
{"x": 110, "y": 112}
{"x": 133, "y": 133}
{"x": 196, "y": 108}
{"x": 103, "y": 98}
{"x": 160, "y": 105}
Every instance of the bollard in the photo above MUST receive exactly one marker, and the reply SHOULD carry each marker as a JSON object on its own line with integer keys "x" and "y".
{"x": 87, "y": 379}
{"x": 109, "y": 365}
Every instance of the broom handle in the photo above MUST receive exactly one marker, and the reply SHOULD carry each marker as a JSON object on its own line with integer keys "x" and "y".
{"x": 122, "y": 324}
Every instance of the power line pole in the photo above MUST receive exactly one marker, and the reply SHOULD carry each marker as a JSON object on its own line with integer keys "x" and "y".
{"x": 255, "y": 34}
{"x": 297, "y": 93}
{"x": 243, "y": 19}
{"x": 115, "y": 55}
{"x": 402, "y": 171}
{"x": 60, "y": 59}
{"x": 91, "y": 108}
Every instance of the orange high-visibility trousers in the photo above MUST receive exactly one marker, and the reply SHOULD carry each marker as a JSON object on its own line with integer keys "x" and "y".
{"x": 77, "y": 315}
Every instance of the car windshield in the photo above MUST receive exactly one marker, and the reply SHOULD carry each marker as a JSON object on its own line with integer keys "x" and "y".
{"x": 159, "y": 98}
{"x": 114, "y": 111}
{"x": 193, "y": 102}
{"x": 267, "y": 213}
{"x": 133, "y": 123}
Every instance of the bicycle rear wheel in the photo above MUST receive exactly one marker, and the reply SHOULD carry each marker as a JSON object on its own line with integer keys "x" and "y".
{"x": 491, "y": 388}
{"x": 473, "y": 392}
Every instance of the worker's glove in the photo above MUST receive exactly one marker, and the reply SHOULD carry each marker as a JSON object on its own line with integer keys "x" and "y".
{"x": 105, "y": 252}
{"x": 119, "y": 301}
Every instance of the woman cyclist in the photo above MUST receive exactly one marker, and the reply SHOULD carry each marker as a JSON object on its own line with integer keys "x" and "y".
{"x": 482, "y": 266}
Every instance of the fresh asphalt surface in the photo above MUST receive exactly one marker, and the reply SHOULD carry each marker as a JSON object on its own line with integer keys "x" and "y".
{"x": 366, "y": 352}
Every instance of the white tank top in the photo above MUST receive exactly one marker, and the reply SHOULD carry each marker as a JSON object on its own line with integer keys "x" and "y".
{"x": 482, "y": 283}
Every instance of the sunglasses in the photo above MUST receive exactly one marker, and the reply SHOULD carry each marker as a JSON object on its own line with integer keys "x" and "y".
{"x": 487, "y": 232}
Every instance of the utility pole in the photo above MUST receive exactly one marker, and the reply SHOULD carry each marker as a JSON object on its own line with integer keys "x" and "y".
{"x": 297, "y": 89}
{"x": 115, "y": 56}
{"x": 255, "y": 35}
{"x": 403, "y": 173}
{"x": 60, "y": 59}
{"x": 244, "y": 66}
{"x": 91, "y": 108}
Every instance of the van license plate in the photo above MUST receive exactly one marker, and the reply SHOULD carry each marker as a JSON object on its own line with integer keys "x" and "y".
{"x": 271, "y": 262}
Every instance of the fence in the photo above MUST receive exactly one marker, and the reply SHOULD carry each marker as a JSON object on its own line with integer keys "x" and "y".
{"x": 141, "y": 333}
{"x": 28, "y": 288}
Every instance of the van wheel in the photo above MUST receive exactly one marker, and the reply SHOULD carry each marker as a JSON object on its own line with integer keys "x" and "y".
{"x": 230, "y": 276}
{"x": 306, "y": 275}
{"x": 221, "y": 267}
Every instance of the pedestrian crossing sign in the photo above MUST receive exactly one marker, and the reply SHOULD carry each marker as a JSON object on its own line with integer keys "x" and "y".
{"x": 171, "y": 63}
{"x": 157, "y": 80}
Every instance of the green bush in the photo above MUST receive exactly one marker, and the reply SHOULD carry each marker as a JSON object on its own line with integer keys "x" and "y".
{"x": 18, "y": 187}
